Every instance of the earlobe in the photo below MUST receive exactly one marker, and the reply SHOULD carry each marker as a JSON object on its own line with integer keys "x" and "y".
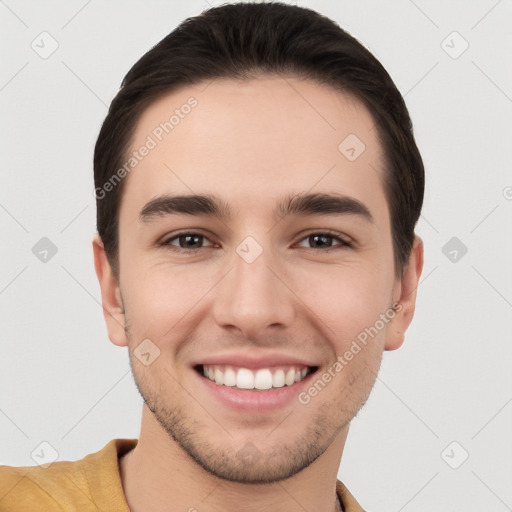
{"x": 111, "y": 299}
{"x": 408, "y": 286}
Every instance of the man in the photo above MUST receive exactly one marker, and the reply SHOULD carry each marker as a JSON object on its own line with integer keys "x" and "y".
{"x": 257, "y": 186}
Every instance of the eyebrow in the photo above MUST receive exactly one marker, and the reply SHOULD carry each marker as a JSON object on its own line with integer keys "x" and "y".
{"x": 295, "y": 204}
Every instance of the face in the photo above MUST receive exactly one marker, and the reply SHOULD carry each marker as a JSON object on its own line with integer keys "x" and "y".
{"x": 269, "y": 280}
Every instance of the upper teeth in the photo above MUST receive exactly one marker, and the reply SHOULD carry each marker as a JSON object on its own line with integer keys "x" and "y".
{"x": 264, "y": 378}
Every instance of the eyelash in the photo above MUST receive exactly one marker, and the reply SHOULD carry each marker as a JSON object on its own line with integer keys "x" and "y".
{"x": 343, "y": 243}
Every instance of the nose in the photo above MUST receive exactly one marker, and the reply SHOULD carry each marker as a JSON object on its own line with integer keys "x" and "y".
{"x": 253, "y": 299}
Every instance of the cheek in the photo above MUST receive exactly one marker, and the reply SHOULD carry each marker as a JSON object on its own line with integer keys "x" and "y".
{"x": 161, "y": 298}
{"x": 347, "y": 300}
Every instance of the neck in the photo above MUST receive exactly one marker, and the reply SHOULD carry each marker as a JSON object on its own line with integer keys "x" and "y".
{"x": 157, "y": 473}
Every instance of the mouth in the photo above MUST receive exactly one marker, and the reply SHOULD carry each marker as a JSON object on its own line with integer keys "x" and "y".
{"x": 256, "y": 379}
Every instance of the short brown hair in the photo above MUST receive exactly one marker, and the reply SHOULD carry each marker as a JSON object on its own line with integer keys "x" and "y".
{"x": 241, "y": 40}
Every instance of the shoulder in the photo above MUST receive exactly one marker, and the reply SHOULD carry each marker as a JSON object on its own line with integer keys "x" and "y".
{"x": 38, "y": 487}
{"x": 63, "y": 485}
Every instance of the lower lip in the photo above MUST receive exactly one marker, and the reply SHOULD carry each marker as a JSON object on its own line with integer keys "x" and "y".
{"x": 254, "y": 400}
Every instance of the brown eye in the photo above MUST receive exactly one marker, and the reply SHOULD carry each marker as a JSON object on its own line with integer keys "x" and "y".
{"x": 324, "y": 241}
{"x": 185, "y": 242}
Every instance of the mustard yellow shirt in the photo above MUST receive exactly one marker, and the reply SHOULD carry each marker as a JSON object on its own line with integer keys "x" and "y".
{"x": 90, "y": 484}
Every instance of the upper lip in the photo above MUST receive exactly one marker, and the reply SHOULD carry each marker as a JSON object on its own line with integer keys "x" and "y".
{"x": 243, "y": 360}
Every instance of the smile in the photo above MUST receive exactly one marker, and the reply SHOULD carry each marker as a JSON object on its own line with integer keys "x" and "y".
{"x": 259, "y": 379}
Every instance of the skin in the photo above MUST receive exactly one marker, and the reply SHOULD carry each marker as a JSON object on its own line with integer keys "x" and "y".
{"x": 251, "y": 143}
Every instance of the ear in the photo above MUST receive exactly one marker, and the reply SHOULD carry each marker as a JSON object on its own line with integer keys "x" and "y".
{"x": 406, "y": 288}
{"x": 113, "y": 309}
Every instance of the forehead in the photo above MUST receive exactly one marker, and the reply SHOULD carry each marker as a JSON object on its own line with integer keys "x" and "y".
{"x": 249, "y": 142}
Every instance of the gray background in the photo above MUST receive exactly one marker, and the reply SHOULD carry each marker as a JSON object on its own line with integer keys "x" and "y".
{"x": 64, "y": 383}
